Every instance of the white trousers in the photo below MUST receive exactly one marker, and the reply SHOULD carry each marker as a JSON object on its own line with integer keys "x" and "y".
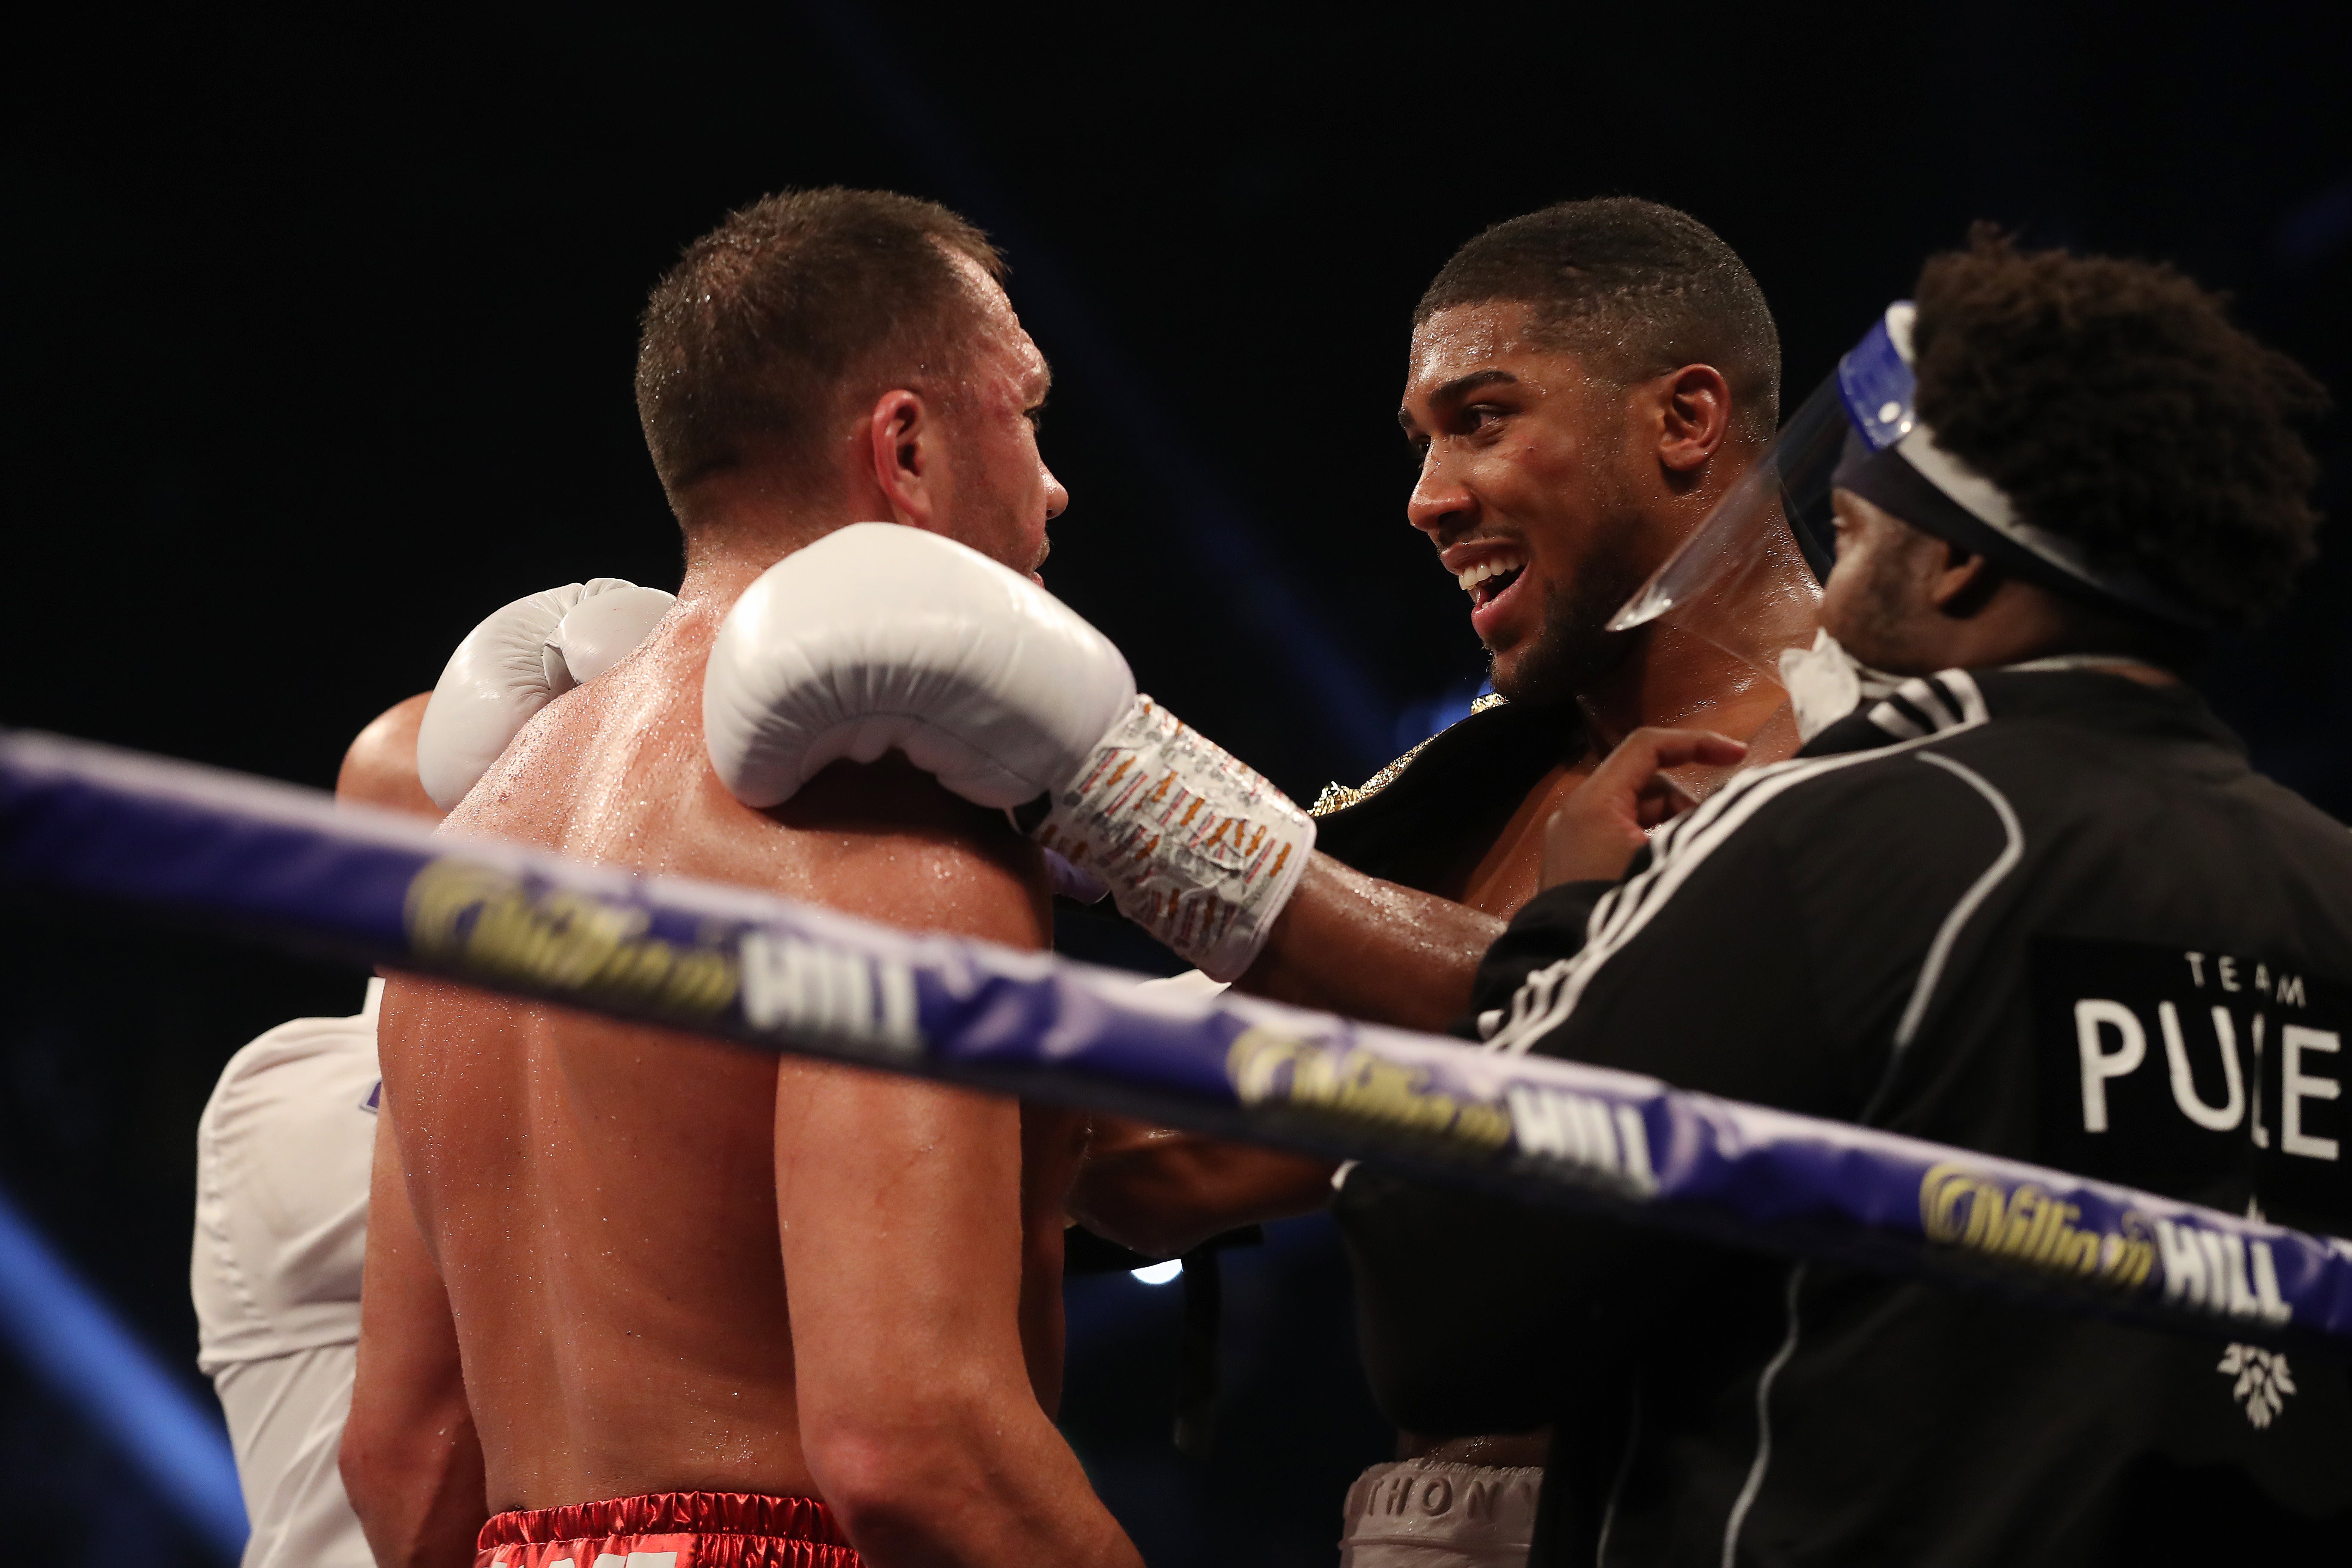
{"x": 1428, "y": 1513}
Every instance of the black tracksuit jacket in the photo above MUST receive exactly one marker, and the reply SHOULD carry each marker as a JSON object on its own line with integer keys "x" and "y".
{"x": 2051, "y": 915}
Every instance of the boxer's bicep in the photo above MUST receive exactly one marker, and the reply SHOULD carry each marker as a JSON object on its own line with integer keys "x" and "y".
{"x": 411, "y": 1460}
{"x": 898, "y": 1212}
{"x": 899, "y": 1206}
{"x": 900, "y": 1209}
{"x": 903, "y": 1156}
{"x": 898, "y": 1202}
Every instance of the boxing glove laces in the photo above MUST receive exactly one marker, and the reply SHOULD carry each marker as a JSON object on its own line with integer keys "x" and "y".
{"x": 880, "y": 636}
{"x": 517, "y": 662}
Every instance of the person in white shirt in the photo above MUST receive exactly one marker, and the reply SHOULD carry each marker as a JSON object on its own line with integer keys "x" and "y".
{"x": 283, "y": 1155}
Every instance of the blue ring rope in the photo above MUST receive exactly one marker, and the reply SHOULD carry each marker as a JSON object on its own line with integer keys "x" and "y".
{"x": 285, "y": 866}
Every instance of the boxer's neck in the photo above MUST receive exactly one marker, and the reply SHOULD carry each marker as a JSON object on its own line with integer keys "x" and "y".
{"x": 1674, "y": 678}
{"x": 1712, "y": 664}
{"x": 741, "y": 521}
{"x": 718, "y": 568}
{"x": 727, "y": 550}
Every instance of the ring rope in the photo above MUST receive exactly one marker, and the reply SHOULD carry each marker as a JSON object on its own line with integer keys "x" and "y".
{"x": 285, "y": 867}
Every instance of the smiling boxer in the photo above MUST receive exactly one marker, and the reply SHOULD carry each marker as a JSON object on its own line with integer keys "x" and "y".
{"x": 1584, "y": 384}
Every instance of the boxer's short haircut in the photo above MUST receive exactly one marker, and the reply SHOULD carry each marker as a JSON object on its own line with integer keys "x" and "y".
{"x": 795, "y": 303}
{"x": 1634, "y": 288}
{"x": 2116, "y": 405}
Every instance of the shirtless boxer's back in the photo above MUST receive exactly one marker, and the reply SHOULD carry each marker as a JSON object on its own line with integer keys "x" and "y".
{"x": 667, "y": 1266}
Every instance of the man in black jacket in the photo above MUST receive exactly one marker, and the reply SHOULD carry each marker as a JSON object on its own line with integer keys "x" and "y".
{"x": 2030, "y": 900}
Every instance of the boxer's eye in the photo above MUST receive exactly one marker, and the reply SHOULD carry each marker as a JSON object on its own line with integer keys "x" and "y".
{"x": 1482, "y": 416}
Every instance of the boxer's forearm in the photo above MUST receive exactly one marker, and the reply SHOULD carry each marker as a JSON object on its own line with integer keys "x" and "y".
{"x": 1162, "y": 1192}
{"x": 1350, "y": 944}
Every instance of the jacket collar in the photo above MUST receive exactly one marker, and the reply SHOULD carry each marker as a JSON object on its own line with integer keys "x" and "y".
{"x": 1954, "y": 700}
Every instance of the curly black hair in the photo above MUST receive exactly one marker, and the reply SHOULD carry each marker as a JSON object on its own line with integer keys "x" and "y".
{"x": 2116, "y": 405}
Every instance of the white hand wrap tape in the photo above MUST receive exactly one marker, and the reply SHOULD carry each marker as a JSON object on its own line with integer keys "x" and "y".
{"x": 1198, "y": 849}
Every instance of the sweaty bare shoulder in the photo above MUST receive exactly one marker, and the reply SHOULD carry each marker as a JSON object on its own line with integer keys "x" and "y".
{"x": 904, "y": 850}
{"x": 616, "y": 771}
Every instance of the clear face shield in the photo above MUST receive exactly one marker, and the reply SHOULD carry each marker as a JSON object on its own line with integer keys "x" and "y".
{"x": 1750, "y": 580}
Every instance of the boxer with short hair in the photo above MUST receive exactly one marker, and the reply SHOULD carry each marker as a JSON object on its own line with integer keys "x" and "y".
{"x": 282, "y": 1159}
{"x": 635, "y": 1293}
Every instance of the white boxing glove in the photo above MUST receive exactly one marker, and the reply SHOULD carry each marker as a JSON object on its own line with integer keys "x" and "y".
{"x": 881, "y": 636}
{"x": 517, "y": 662}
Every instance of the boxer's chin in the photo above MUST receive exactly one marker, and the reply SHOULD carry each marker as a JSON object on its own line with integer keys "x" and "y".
{"x": 1567, "y": 654}
{"x": 1528, "y": 664}
{"x": 1507, "y": 672}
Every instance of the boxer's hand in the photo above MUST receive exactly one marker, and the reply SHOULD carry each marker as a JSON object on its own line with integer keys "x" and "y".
{"x": 517, "y": 661}
{"x": 1593, "y": 835}
{"x": 880, "y": 636}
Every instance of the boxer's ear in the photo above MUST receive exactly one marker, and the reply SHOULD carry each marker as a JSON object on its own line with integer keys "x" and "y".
{"x": 1693, "y": 416}
{"x": 910, "y": 467}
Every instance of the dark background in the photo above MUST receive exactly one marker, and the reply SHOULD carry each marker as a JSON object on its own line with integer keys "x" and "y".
{"x": 321, "y": 341}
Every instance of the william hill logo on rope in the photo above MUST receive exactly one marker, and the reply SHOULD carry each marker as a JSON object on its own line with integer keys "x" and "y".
{"x": 794, "y": 988}
{"x": 1350, "y": 1084}
{"x": 2214, "y": 1271}
{"x": 2209, "y": 1075}
{"x": 487, "y": 922}
{"x": 1595, "y": 1137}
